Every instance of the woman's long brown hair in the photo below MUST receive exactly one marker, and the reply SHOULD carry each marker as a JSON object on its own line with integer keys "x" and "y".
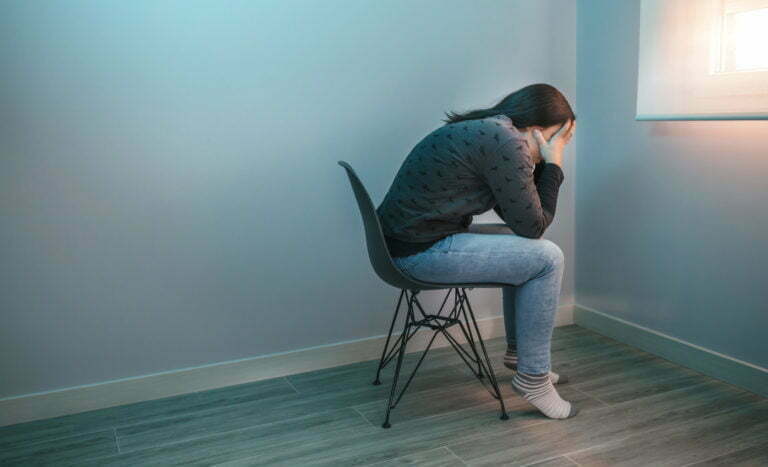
{"x": 536, "y": 104}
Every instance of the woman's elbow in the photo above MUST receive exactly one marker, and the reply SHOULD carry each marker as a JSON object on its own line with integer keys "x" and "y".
{"x": 529, "y": 228}
{"x": 530, "y": 232}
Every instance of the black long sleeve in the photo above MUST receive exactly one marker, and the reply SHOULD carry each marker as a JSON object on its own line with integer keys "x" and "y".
{"x": 510, "y": 173}
{"x": 536, "y": 177}
{"x": 537, "y": 171}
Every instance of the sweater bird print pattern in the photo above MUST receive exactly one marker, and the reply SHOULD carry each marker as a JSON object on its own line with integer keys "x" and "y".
{"x": 463, "y": 169}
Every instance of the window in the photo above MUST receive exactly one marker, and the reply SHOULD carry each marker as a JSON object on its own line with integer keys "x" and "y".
{"x": 740, "y": 42}
{"x": 703, "y": 60}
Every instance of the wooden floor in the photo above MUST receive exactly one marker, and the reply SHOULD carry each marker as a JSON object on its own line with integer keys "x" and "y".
{"x": 636, "y": 409}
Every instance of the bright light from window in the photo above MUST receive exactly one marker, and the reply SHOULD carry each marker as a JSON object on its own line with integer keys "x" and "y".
{"x": 746, "y": 40}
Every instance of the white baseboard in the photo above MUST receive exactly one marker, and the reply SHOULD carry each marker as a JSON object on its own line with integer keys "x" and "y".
{"x": 78, "y": 399}
{"x": 717, "y": 365}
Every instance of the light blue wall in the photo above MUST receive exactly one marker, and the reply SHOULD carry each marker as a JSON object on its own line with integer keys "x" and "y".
{"x": 169, "y": 190}
{"x": 671, "y": 217}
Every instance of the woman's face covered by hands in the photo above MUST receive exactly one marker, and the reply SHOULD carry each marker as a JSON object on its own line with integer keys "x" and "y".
{"x": 547, "y": 133}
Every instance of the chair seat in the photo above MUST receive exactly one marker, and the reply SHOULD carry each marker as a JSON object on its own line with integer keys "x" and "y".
{"x": 422, "y": 285}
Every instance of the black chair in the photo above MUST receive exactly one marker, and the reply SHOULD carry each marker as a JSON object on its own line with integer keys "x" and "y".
{"x": 460, "y": 315}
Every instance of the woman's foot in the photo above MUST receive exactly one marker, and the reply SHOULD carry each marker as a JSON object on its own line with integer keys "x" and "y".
{"x": 541, "y": 393}
{"x": 510, "y": 361}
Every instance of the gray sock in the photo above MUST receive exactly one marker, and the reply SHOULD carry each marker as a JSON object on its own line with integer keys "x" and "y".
{"x": 539, "y": 391}
{"x": 510, "y": 361}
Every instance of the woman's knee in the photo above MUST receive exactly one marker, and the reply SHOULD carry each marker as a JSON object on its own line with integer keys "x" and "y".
{"x": 551, "y": 252}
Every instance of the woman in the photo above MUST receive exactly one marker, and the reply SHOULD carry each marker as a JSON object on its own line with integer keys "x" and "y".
{"x": 509, "y": 158}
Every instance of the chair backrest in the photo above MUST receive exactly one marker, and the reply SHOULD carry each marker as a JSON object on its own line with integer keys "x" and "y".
{"x": 378, "y": 253}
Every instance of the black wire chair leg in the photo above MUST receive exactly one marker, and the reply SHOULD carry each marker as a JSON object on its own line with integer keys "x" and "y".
{"x": 401, "y": 353}
{"x": 491, "y": 375}
{"x": 377, "y": 381}
{"x": 466, "y": 330}
{"x": 418, "y": 364}
{"x": 465, "y": 356}
{"x": 471, "y": 339}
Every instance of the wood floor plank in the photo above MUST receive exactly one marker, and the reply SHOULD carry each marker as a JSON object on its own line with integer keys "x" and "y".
{"x": 753, "y": 456}
{"x": 603, "y": 424}
{"x": 644, "y": 386}
{"x": 560, "y": 461}
{"x": 440, "y": 457}
{"x": 703, "y": 436}
{"x": 221, "y": 447}
{"x": 24, "y": 434}
{"x": 61, "y": 450}
{"x": 647, "y": 370}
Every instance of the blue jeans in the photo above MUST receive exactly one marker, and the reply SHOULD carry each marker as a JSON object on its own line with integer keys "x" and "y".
{"x": 533, "y": 268}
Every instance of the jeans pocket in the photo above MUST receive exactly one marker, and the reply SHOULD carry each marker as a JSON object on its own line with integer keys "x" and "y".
{"x": 409, "y": 263}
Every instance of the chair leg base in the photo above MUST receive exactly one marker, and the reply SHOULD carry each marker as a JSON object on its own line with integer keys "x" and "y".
{"x": 439, "y": 324}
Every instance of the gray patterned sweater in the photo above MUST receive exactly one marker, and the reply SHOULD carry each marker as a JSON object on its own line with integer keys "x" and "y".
{"x": 463, "y": 169}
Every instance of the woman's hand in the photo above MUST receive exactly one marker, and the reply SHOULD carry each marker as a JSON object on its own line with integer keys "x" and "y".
{"x": 552, "y": 150}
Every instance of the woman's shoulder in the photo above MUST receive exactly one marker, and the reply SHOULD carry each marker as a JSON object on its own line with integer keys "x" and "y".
{"x": 497, "y": 131}
{"x": 500, "y": 123}
{"x": 503, "y": 122}
{"x": 481, "y": 135}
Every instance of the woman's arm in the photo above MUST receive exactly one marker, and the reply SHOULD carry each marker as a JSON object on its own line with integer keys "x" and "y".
{"x": 525, "y": 202}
